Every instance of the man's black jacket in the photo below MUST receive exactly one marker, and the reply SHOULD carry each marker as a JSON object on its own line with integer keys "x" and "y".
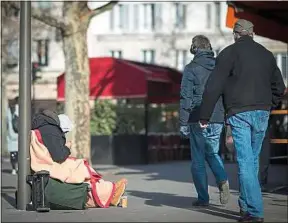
{"x": 247, "y": 76}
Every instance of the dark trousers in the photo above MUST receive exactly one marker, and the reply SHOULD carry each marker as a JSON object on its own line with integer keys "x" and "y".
{"x": 14, "y": 159}
{"x": 264, "y": 159}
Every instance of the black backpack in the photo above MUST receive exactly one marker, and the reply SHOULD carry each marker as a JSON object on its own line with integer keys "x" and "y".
{"x": 15, "y": 119}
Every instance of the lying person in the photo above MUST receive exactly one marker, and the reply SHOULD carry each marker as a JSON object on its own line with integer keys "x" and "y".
{"x": 49, "y": 151}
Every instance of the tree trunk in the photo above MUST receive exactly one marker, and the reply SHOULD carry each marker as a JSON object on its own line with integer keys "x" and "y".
{"x": 77, "y": 86}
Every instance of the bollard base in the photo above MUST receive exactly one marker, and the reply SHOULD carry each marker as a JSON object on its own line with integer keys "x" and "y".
{"x": 29, "y": 207}
{"x": 43, "y": 209}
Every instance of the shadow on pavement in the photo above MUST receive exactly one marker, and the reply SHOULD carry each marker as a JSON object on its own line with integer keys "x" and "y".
{"x": 6, "y": 171}
{"x": 180, "y": 172}
{"x": 165, "y": 199}
{"x": 10, "y": 199}
{"x": 279, "y": 205}
{"x": 9, "y": 188}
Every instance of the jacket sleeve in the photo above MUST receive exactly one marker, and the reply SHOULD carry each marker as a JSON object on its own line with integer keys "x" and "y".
{"x": 277, "y": 85}
{"x": 186, "y": 96}
{"x": 215, "y": 83}
{"x": 56, "y": 146}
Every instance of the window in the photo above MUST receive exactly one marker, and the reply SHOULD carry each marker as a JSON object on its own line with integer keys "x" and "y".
{"x": 12, "y": 53}
{"x": 149, "y": 16}
{"x": 44, "y": 4}
{"x": 116, "y": 53}
{"x": 217, "y": 14}
{"x": 58, "y": 35}
{"x": 148, "y": 56}
{"x": 136, "y": 16}
{"x": 42, "y": 51}
{"x": 181, "y": 59}
{"x": 10, "y": 12}
{"x": 158, "y": 16}
{"x": 208, "y": 14}
{"x": 112, "y": 25}
{"x": 180, "y": 10}
{"x": 119, "y": 17}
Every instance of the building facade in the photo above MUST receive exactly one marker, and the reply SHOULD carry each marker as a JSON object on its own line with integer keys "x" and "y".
{"x": 151, "y": 32}
{"x": 161, "y": 32}
{"x": 46, "y": 54}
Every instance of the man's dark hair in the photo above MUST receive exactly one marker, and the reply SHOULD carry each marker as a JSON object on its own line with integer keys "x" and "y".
{"x": 200, "y": 42}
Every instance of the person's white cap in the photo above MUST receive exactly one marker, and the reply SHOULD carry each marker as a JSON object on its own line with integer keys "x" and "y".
{"x": 65, "y": 123}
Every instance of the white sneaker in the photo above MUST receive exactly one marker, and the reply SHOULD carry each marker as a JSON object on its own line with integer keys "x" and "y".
{"x": 14, "y": 172}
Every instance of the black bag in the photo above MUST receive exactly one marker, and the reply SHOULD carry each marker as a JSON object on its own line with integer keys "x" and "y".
{"x": 15, "y": 120}
{"x": 38, "y": 182}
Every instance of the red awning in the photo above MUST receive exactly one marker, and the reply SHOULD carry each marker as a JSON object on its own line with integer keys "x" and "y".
{"x": 117, "y": 78}
{"x": 270, "y": 18}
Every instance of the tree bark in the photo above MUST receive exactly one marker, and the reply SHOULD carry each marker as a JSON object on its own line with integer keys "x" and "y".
{"x": 77, "y": 84}
{"x": 77, "y": 73}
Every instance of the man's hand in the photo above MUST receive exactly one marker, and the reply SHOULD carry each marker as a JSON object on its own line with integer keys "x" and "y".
{"x": 184, "y": 131}
{"x": 203, "y": 124}
{"x": 68, "y": 144}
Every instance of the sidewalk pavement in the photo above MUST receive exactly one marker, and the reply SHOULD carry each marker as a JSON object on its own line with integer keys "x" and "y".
{"x": 156, "y": 193}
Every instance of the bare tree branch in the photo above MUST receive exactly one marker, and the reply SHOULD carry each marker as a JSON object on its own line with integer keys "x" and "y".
{"x": 43, "y": 17}
{"x": 102, "y": 9}
{"x": 48, "y": 19}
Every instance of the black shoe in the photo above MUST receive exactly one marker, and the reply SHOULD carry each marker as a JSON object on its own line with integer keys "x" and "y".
{"x": 248, "y": 218}
{"x": 200, "y": 204}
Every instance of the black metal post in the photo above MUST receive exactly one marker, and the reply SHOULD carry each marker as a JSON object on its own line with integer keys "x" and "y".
{"x": 23, "y": 192}
{"x": 146, "y": 124}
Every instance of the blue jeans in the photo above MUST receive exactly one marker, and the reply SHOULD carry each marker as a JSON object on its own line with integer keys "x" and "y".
{"x": 204, "y": 144}
{"x": 248, "y": 132}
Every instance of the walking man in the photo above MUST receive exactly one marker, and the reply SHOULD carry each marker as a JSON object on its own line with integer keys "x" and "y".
{"x": 204, "y": 143}
{"x": 247, "y": 76}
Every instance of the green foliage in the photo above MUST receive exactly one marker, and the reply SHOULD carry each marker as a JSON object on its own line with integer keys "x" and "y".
{"x": 163, "y": 118}
{"x": 130, "y": 119}
{"x": 109, "y": 118}
{"x": 103, "y": 118}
